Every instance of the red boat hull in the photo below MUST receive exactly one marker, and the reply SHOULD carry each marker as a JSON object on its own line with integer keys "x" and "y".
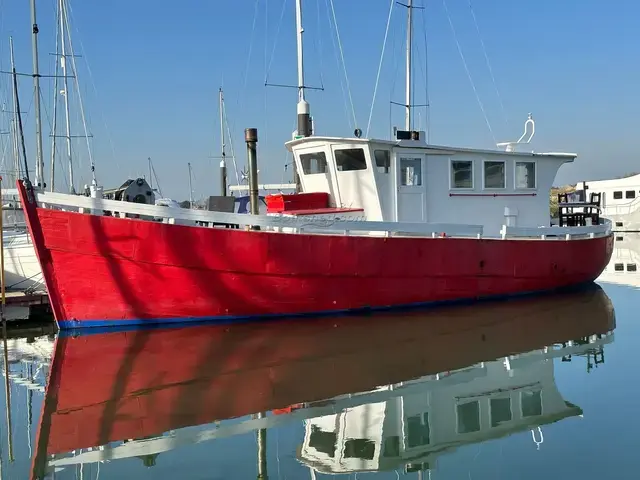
{"x": 116, "y": 271}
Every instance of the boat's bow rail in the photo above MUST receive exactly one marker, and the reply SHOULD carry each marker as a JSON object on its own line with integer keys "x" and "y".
{"x": 311, "y": 224}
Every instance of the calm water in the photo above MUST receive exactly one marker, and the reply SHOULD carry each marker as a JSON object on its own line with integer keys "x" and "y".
{"x": 536, "y": 388}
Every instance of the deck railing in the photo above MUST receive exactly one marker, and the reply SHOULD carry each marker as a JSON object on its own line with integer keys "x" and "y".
{"x": 317, "y": 224}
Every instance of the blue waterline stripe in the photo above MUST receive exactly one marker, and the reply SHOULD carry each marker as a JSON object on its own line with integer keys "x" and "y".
{"x": 87, "y": 327}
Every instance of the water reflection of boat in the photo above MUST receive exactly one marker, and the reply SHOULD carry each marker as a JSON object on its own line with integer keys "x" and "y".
{"x": 624, "y": 266}
{"x": 151, "y": 382}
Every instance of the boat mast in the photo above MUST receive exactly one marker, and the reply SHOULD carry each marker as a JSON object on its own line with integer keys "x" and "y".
{"x": 19, "y": 133}
{"x": 408, "y": 73}
{"x": 36, "y": 86}
{"x": 223, "y": 161}
{"x": 14, "y": 121}
{"x": 190, "y": 187}
{"x": 304, "y": 125}
{"x": 65, "y": 92}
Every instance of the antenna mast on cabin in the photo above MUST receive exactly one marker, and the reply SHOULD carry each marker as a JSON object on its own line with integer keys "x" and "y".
{"x": 304, "y": 125}
{"x": 223, "y": 160}
{"x": 408, "y": 73}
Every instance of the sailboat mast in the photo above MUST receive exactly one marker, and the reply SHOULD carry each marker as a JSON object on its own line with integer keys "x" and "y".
{"x": 14, "y": 121}
{"x": 16, "y": 111}
{"x": 223, "y": 161}
{"x": 36, "y": 86}
{"x": 304, "y": 125}
{"x": 63, "y": 64}
{"x": 190, "y": 187}
{"x": 408, "y": 73}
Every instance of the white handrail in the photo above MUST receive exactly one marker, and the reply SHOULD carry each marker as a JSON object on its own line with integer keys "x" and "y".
{"x": 603, "y": 229}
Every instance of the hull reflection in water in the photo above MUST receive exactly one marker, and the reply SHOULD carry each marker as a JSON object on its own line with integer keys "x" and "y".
{"x": 108, "y": 389}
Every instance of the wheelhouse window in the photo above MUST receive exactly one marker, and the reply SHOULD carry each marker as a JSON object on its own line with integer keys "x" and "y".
{"x": 494, "y": 174}
{"x": 468, "y": 417}
{"x": 500, "y": 411}
{"x": 461, "y": 174}
{"x": 531, "y": 403}
{"x": 349, "y": 159}
{"x": 630, "y": 194}
{"x": 631, "y": 267}
{"x": 383, "y": 160}
{"x": 410, "y": 171}
{"x": 313, "y": 163}
{"x": 525, "y": 175}
{"x": 617, "y": 195}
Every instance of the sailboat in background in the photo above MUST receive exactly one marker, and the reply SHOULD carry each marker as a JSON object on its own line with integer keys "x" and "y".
{"x": 22, "y": 269}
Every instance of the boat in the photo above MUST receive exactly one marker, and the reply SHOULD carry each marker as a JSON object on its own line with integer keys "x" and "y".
{"x": 158, "y": 389}
{"x": 378, "y": 224}
{"x": 620, "y": 200}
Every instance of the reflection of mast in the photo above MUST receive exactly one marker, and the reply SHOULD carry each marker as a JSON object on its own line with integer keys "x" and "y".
{"x": 7, "y": 389}
{"x": 262, "y": 452}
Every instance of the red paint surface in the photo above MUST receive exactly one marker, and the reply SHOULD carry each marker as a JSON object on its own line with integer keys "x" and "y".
{"x": 125, "y": 385}
{"x": 100, "y": 268}
{"x": 323, "y": 211}
{"x": 281, "y": 202}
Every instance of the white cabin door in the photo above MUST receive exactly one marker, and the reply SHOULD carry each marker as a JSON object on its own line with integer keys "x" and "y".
{"x": 411, "y": 204}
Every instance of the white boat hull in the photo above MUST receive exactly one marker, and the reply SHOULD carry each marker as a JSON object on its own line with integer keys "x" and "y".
{"x": 21, "y": 267}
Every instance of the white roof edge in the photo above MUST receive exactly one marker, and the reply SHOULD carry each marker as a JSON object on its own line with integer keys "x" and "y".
{"x": 442, "y": 149}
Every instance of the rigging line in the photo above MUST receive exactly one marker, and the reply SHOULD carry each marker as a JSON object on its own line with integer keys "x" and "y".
{"x": 486, "y": 57}
{"x": 466, "y": 68}
{"x": 426, "y": 70}
{"x": 54, "y": 128}
{"x": 266, "y": 49}
{"x": 275, "y": 40}
{"x": 240, "y": 101}
{"x": 375, "y": 88}
{"x": 423, "y": 72}
{"x": 319, "y": 39}
{"x": 344, "y": 67}
{"x": 92, "y": 163}
{"x": 233, "y": 153}
{"x": 93, "y": 84}
{"x": 335, "y": 49}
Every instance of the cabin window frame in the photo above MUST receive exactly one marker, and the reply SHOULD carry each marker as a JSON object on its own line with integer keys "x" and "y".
{"x": 374, "y": 160}
{"x": 515, "y": 175}
{"x": 320, "y": 151}
{"x": 617, "y": 195}
{"x": 504, "y": 175}
{"x": 630, "y": 194}
{"x": 362, "y": 148}
{"x": 452, "y": 186}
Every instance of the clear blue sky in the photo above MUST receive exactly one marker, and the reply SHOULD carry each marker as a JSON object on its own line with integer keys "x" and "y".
{"x": 156, "y": 67}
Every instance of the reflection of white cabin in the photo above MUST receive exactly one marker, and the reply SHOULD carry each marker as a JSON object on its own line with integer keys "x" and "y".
{"x": 407, "y": 180}
{"x": 624, "y": 266}
{"x": 488, "y": 400}
{"x": 620, "y": 200}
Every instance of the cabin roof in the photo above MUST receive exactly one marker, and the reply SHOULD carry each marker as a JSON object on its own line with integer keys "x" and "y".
{"x": 415, "y": 144}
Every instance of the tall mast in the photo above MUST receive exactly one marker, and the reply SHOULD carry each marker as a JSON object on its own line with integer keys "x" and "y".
{"x": 190, "y": 187}
{"x": 14, "y": 121}
{"x": 36, "y": 86}
{"x": 223, "y": 161}
{"x": 408, "y": 73}
{"x": 63, "y": 64}
{"x": 304, "y": 126}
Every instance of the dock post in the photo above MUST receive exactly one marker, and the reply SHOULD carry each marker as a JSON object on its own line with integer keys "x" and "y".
{"x": 251, "y": 137}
